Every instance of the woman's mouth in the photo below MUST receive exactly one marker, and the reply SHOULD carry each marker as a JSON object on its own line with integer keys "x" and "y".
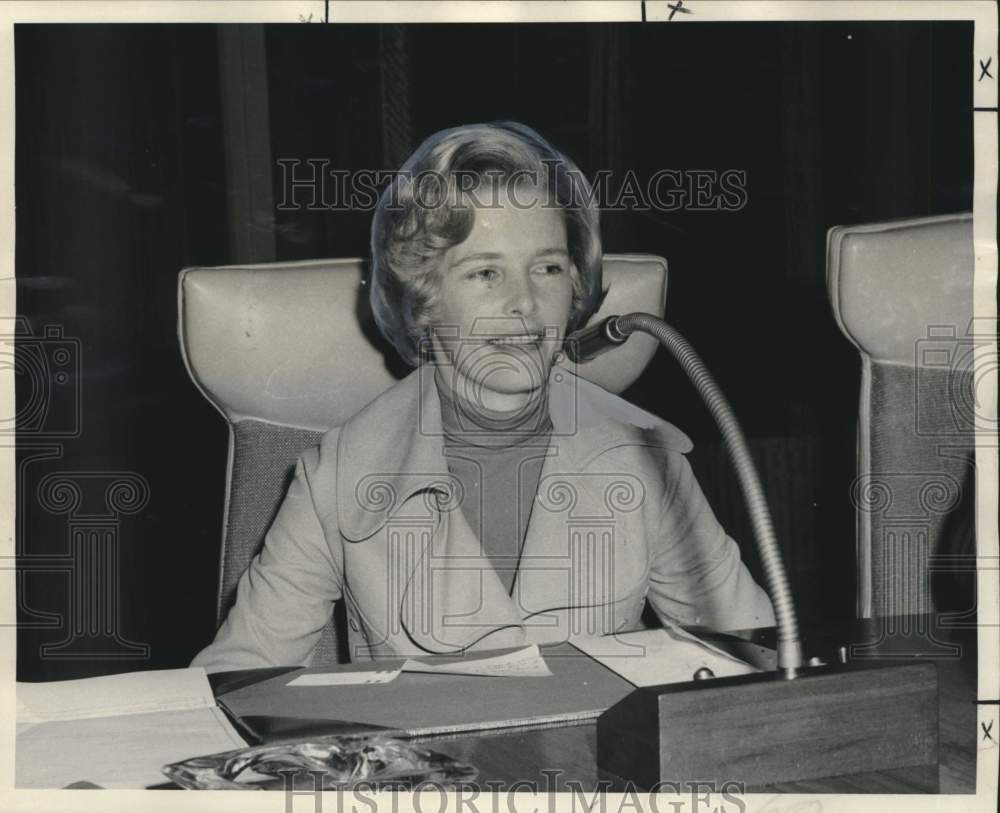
{"x": 527, "y": 338}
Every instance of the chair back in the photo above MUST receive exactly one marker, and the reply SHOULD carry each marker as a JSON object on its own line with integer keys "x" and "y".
{"x": 287, "y": 351}
{"x": 902, "y": 293}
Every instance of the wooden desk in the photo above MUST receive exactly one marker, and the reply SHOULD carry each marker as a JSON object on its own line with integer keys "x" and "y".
{"x": 563, "y": 759}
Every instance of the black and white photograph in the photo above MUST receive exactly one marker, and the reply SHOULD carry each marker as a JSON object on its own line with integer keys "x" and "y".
{"x": 553, "y": 408}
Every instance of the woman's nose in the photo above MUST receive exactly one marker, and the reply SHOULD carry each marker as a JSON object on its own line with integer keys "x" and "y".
{"x": 520, "y": 297}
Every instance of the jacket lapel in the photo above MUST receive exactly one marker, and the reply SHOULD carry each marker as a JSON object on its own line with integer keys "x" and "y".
{"x": 576, "y": 554}
{"x": 454, "y": 599}
{"x": 572, "y": 569}
{"x": 388, "y": 452}
{"x": 392, "y": 471}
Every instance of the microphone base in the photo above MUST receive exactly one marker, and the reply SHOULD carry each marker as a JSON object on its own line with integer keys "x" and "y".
{"x": 763, "y": 729}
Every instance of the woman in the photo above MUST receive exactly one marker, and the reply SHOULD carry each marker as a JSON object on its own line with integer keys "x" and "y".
{"x": 490, "y": 498}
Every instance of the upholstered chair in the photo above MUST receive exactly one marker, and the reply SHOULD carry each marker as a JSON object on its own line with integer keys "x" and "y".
{"x": 902, "y": 293}
{"x": 286, "y": 351}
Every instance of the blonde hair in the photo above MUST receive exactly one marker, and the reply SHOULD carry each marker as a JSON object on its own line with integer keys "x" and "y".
{"x": 410, "y": 232}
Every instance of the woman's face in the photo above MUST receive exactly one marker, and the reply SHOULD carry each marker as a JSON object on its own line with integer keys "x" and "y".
{"x": 506, "y": 296}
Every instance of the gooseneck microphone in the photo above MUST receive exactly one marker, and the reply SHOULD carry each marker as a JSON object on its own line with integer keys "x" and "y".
{"x": 589, "y": 342}
{"x": 613, "y": 331}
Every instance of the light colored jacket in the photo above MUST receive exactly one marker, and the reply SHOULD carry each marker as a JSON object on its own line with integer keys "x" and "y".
{"x": 372, "y": 518}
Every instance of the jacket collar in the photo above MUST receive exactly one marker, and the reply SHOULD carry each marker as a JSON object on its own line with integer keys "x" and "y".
{"x": 393, "y": 448}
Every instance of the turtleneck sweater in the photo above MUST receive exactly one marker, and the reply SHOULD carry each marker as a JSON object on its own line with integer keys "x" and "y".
{"x": 497, "y": 458}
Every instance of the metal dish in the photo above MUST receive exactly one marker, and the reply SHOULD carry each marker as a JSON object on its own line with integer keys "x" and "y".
{"x": 341, "y": 762}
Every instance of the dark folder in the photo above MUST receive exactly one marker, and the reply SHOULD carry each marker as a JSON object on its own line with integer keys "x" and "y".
{"x": 416, "y": 703}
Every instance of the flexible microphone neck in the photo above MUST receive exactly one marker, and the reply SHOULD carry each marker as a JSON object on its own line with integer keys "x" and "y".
{"x": 592, "y": 341}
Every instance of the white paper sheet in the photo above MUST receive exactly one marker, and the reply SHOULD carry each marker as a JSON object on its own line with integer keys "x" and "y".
{"x": 345, "y": 678}
{"x": 116, "y": 731}
{"x": 112, "y": 695}
{"x": 653, "y": 657}
{"x": 525, "y": 662}
{"x": 126, "y": 751}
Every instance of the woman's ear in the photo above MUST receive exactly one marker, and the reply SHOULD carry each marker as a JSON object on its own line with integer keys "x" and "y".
{"x": 421, "y": 336}
{"x": 574, "y": 273}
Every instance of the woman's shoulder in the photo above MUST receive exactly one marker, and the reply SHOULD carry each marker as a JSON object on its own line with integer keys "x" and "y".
{"x": 324, "y": 453}
{"x": 318, "y": 466}
{"x": 609, "y": 417}
{"x": 379, "y": 422}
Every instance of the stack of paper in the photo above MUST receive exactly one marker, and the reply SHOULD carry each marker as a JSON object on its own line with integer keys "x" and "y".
{"x": 656, "y": 656}
{"x": 116, "y": 731}
{"x": 524, "y": 662}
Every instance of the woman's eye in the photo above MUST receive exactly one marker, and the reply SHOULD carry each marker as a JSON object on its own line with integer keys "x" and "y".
{"x": 551, "y": 269}
{"x": 485, "y": 274}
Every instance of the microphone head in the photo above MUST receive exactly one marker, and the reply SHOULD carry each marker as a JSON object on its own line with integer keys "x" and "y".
{"x": 589, "y": 342}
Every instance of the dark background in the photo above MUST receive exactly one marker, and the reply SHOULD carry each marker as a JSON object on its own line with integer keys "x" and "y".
{"x": 144, "y": 149}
